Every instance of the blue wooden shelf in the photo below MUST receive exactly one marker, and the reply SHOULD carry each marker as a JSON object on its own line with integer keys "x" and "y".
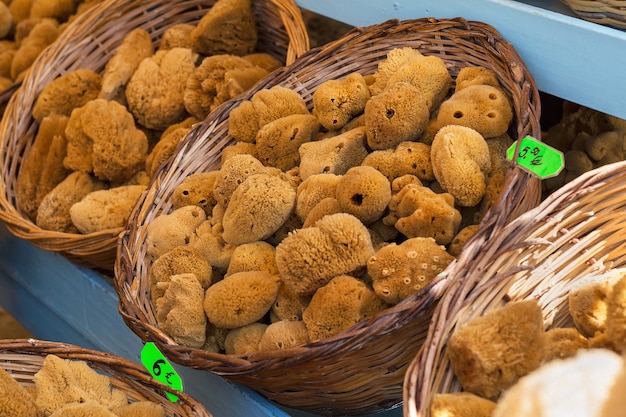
{"x": 570, "y": 58}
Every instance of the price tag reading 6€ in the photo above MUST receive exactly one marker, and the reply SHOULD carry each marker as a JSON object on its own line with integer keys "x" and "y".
{"x": 537, "y": 158}
{"x": 161, "y": 369}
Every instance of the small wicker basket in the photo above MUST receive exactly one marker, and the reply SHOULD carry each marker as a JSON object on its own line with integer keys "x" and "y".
{"x": 361, "y": 369}
{"x": 605, "y": 12}
{"x": 88, "y": 43}
{"x": 579, "y": 230}
{"x": 23, "y": 358}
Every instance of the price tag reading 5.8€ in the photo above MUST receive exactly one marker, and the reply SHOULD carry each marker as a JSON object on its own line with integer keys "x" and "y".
{"x": 161, "y": 369}
{"x": 537, "y": 158}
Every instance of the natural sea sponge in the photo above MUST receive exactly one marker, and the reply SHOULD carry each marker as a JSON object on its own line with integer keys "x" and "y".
{"x": 461, "y": 161}
{"x": 314, "y": 189}
{"x": 54, "y": 209}
{"x": 284, "y": 334}
{"x": 339, "y": 304}
{"x": 181, "y": 259}
{"x": 334, "y": 155}
{"x": 89, "y": 408}
{"x": 69, "y": 91}
{"x": 229, "y": 27}
{"x": 42, "y": 168}
{"x": 208, "y": 240}
{"x": 398, "y": 114}
{"x": 363, "y": 192}
{"x": 197, "y": 190}
{"x": 258, "y": 207}
{"x": 155, "y": 91}
{"x": 417, "y": 211}
{"x": 118, "y": 70}
{"x": 164, "y": 149}
{"x": 400, "y": 270}
{"x": 490, "y": 353}
{"x": 253, "y": 256}
{"x": 475, "y": 75}
{"x": 278, "y": 142}
{"x": 141, "y": 409}
{"x": 460, "y": 404}
{"x": 44, "y": 32}
{"x": 461, "y": 238}
{"x": 407, "y": 158}
{"x": 233, "y": 172}
{"x": 563, "y": 342}
{"x": 616, "y": 315}
{"x": 179, "y": 311}
{"x": 177, "y": 36}
{"x": 336, "y": 102}
{"x": 326, "y": 206}
{"x": 309, "y": 258}
{"x": 241, "y": 298}
{"x": 15, "y": 401}
{"x": 265, "y": 106}
{"x": 245, "y": 339}
{"x": 6, "y": 20}
{"x": 288, "y": 306}
{"x": 167, "y": 231}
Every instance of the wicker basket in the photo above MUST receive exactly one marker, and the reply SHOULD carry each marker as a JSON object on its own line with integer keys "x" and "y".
{"x": 23, "y": 358}
{"x": 88, "y": 43}
{"x": 606, "y": 12}
{"x": 579, "y": 230}
{"x": 361, "y": 369}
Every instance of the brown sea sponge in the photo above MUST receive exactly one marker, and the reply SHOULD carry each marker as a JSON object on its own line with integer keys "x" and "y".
{"x": 229, "y": 27}
{"x": 253, "y": 256}
{"x": 616, "y": 315}
{"x": 88, "y": 408}
{"x": 461, "y": 161}
{"x": 105, "y": 209}
{"x": 363, "y": 192}
{"x": 395, "y": 58}
{"x": 265, "y": 106}
{"x": 284, "y": 334}
{"x": 44, "y": 32}
{"x": 118, "y": 70}
{"x": 263, "y": 60}
{"x": 483, "y": 108}
{"x": 258, "y": 207}
{"x": 398, "y": 271}
{"x": 241, "y": 298}
{"x": 167, "y": 231}
{"x": 102, "y": 139}
{"x": 417, "y": 211}
{"x": 563, "y": 342}
{"x": 177, "y": 36}
{"x": 336, "y": 102}
{"x": 288, "y": 306}
{"x": 339, "y": 304}
{"x": 180, "y": 260}
{"x": 398, "y": 114}
{"x": 490, "y": 353}
{"x": 164, "y": 149}
{"x": 233, "y": 172}
{"x": 69, "y": 91}
{"x": 179, "y": 311}
{"x": 6, "y": 20}
{"x": 54, "y": 209}
{"x": 244, "y": 340}
{"x": 314, "y": 189}
{"x": 461, "y": 238}
{"x": 461, "y": 404}
{"x": 326, "y": 206}
{"x": 239, "y": 148}
{"x": 278, "y": 142}
{"x": 407, "y": 158}
{"x": 155, "y": 91}
{"x": 475, "y": 75}
{"x": 15, "y": 400}
{"x": 333, "y": 155}
{"x": 208, "y": 240}
{"x": 339, "y": 244}
{"x": 140, "y": 409}
{"x": 196, "y": 190}
{"x": 42, "y": 168}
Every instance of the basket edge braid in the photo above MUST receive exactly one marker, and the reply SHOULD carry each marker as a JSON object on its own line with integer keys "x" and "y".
{"x": 571, "y": 217}
{"x": 241, "y": 368}
{"x": 610, "y": 13}
{"x": 97, "y": 250}
{"x": 125, "y": 375}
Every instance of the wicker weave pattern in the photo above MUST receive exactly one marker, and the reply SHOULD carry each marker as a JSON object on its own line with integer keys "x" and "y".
{"x": 605, "y": 12}
{"x": 579, "y": 230}
{"x": 89, "y": 42}
{"x": 24, "y": 358}
{"x": 361, "y": 369}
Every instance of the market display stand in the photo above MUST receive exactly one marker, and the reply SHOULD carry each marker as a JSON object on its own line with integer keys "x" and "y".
{"x": 570, "y": 58}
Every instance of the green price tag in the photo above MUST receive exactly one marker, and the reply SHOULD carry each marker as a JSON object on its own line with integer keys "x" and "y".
{"x": 160, "y": 369}
{"x": 537, "y": 158}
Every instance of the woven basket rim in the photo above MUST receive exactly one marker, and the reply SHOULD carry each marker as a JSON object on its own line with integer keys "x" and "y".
{"x": 77, "y": 47}
{"x": 124, "y": 374}
{"x": 240, "y": 367}
{"x": 574, "y": 233}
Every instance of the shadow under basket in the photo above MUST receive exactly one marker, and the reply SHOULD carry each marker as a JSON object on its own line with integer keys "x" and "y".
{"x": 88, "y": 43}
{"x": 23, "y": 358}
{"x": 576, "y": 232}
{"x": 361, "y": 369}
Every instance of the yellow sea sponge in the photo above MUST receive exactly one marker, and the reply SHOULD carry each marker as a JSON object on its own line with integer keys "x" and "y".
{"x": 168, "y": 231}
{"x": 180, "y": 260}
{"x": 314, "y": 189}
{"x": 245, "y": 339}
{"x": 336, "y": 102}
{"x": 461, "y": 404}
{"x": 284, "y": 334}
{"x": 363, "y": 192}
{"x": 407, "y": 158}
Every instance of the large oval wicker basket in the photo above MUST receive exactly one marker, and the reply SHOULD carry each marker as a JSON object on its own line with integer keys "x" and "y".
{"x": 361, "y": 369}
{"x": 89, "y": 42}
{"x": 23, "y": 358}
{"x": 579, "y": 230}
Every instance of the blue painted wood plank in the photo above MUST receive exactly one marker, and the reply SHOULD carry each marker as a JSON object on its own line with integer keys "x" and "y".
{"x": 570, "y": 58}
